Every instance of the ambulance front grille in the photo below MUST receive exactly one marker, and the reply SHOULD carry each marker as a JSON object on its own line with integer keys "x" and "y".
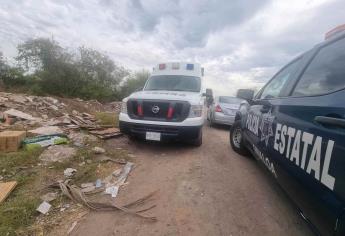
{"x": 157, "y": 110}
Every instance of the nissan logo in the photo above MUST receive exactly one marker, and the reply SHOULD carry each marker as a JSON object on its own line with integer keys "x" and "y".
{"x": 155, "y": 109}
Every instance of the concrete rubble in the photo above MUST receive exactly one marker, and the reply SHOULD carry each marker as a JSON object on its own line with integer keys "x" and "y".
{"x": 69, "y": 172}
{"x": 57, "y": 153}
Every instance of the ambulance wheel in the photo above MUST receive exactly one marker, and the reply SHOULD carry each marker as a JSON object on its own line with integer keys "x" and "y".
{"x": 236, "y": 139}
{"x": 198, "y": 141}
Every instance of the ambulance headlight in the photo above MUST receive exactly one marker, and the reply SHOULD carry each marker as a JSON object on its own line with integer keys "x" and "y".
{"x": 124, "y": 107}
{"x": 195, "y": 111}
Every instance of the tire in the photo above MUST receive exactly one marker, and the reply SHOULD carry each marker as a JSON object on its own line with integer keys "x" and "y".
{"x": 198, "y": 141}
{"x": 236, "y": 140}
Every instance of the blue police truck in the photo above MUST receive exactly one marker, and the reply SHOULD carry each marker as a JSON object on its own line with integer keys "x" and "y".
{"x": 295, "y": 126}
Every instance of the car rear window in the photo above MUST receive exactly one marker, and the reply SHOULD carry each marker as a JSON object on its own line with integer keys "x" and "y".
{"x": 326, "y": 72}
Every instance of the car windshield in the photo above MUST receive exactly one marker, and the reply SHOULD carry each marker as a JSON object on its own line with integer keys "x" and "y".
{"x": 174, "y": 83}
{"x": 230, "y": 100}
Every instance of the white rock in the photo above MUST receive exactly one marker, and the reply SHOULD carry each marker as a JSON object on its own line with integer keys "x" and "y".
{"x": 98, "y": 150}
{"x": 69, "y": 172}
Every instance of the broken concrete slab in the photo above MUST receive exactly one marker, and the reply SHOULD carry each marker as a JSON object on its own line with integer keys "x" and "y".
{"x": 57, "y": 153}
{"x": 19, "y": 114}
{"x": 18, "y": 98}
{"x": 81, "y": 138}
{"x": 46, "y": 130}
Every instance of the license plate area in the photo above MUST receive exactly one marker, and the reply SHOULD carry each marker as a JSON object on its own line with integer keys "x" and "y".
{"x": 155, "y": 136}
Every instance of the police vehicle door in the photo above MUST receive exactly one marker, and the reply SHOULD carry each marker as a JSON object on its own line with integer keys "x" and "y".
{"x": 309, "y": 137}
{"x": 259, "y": 127}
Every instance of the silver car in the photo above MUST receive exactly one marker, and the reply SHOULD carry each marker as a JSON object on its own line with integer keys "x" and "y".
{"x": 223, "y": 110}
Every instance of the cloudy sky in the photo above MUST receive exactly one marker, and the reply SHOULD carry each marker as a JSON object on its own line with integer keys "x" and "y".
{"x": 241, "y": 43}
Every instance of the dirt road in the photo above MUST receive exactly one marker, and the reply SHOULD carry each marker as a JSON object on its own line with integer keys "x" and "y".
{"x": 202, "y": 191}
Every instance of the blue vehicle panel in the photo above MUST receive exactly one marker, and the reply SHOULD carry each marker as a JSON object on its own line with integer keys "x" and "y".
{"x": 296, "y": 127}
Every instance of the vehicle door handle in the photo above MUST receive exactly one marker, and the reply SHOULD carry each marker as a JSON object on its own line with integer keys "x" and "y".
{"x": 325, "y": 120}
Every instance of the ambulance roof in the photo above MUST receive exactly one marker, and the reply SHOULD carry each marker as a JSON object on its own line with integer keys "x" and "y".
{"x": 178, "y": 68}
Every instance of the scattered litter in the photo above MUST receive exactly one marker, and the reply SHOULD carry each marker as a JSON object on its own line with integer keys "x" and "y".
{"x": 48, "y": 197}
{"x": 45, "y": 140}
{"x": 88, "y": 189}
{"x": 112, "y": 187}
{"x": 98, "y": 150}
{"x": 112, "y": 190}
{"x": 76, "y": 195}
{"x": 58, "y": 153}
{"x": 124, "y": 174}
{"x": 98, "y": 183}
{"x": 10, "y": 141}
{"x": 82, "y": 163}
{"x": 72, "y": 227}
{"x": 69, "y": 172}
{"x": 86, "y": 185}
{"x": 5, "y": 189}
{"x": 44, "y": 207}
{"x": 19, "y": 114}
{"x": 46, "y": 130}
{"x": 117, "y": 173}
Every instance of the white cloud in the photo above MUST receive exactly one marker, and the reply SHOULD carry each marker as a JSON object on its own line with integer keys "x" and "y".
{"x": 240, "y": 43}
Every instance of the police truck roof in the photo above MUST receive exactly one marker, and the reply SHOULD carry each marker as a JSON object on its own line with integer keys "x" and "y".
{"x": 178, "y": 68}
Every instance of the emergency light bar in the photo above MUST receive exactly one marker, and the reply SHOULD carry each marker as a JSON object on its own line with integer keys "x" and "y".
{"x": 175, "y": 66}
{"x": 190, "y": 67}
{"x": 335, "y": 31}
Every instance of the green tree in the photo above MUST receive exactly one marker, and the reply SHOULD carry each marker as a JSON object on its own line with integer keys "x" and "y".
{"x": 100, "y": 74}
{"x": 134, "y": 82}
{"x": 87, "y": 74}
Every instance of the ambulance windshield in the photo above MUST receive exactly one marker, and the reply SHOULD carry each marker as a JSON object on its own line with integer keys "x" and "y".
{"x": 174, "y": 83}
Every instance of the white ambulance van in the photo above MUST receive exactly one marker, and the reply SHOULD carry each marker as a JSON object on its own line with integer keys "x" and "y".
{"x": 170, "y": 106}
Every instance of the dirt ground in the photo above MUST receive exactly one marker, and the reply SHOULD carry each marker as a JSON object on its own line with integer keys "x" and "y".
{"x": 202, "y": 191}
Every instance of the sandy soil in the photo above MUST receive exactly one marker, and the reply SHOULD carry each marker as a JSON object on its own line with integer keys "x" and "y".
{"x": 208, "y": 190}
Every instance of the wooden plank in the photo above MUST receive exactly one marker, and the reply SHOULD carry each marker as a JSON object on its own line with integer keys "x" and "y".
{"x": 5, "y": 189}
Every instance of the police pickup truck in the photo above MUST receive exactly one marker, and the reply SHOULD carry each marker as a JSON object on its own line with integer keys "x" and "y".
{"x": 295, "y": 126}
{"x": 170, "y": 106}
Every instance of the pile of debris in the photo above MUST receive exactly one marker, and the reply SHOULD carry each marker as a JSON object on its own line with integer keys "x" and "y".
{"x": 47, "y": 116}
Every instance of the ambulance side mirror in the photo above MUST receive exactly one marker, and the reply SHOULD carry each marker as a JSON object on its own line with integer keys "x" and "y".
{"x": 209, "y": 97}
{"x": 209, "y": 93}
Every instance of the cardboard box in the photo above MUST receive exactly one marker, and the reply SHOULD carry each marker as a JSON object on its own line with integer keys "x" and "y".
{"x": 10, "y": 141}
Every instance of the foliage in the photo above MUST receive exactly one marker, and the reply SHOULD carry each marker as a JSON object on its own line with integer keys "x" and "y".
{"x": 45, "y": 67}
{"x": 108, "y": 118}
{"x": 134, "y": 83}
